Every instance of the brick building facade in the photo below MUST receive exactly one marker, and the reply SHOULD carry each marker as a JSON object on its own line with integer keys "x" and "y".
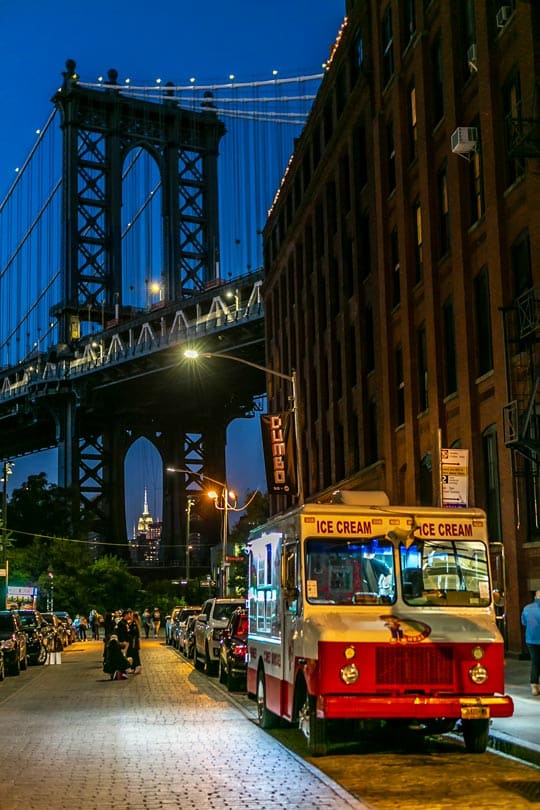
{"x": 401, "y": 253}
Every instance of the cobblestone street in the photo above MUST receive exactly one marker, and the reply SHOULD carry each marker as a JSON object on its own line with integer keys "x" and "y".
{"x": 167, "y": 738}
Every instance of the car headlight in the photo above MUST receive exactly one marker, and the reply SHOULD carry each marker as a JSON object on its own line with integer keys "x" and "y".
{"x": 478, "y": 674}
{"x": 349, "y": 673}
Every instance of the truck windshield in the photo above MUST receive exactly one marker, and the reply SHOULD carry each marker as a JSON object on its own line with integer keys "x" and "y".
{"x": 445, "y": 573}
{"x": 349, "y": 572}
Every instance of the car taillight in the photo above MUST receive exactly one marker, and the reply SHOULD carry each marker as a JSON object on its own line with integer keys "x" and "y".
{"x": 240, "y": 650}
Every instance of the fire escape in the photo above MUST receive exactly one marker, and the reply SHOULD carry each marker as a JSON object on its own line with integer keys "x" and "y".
{"x": 522, "y": 326}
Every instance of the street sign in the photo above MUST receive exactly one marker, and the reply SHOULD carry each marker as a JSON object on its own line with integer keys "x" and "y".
{"x": 454, "y": 478}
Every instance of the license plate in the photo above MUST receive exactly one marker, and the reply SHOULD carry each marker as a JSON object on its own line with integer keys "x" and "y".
{"x": 475, "y": 712}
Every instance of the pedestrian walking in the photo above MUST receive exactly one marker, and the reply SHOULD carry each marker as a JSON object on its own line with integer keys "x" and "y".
{"x": 156, "y": 621}
{"x": 134, "y": 649}
{"x": 83, "y": 624}
{"x": 146, "y": 622}
{"x": 530, "y": 619}
{"x": 93, "y": 619}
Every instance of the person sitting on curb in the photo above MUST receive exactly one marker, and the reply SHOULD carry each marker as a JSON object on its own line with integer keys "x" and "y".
{"x": 115, "y": 662}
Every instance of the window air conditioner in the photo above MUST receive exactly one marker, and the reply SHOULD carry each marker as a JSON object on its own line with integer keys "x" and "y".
{"x": 471, "y": 57}
{"x": 464, "y": 140}
{"x": 503, "y": 15}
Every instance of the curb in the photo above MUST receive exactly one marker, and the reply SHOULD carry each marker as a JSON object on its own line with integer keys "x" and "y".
{"x": 506, "y": 744}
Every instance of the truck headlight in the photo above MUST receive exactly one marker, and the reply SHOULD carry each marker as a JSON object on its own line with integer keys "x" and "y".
{"x": 478, "y": 674}
{"x": 349, "y": 673}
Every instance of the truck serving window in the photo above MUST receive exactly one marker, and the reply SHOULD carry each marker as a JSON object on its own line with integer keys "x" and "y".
{"x": 349, "y": 572}
{"x": 445, "y": 573}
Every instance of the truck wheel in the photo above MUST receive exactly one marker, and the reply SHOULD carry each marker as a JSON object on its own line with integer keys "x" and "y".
{"x": 476, "y": 735}
{"x": 222, "y": 673}
{"x": 267, "y": 719}
{"x": 313, "y": 728}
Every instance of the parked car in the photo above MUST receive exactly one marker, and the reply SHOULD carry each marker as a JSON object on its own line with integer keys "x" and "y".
{"x": 186, "y": 640}
{"x": 180, "y": 622}
{"x": 12, "y": 642}
{"x": 67, "y": 621}
{"x": 169, "y": 622}
{"x": 37, "y": 635}
{"x": 213, "y": 618}
{"x": 233, "y": 651}
{"x": 57, "y": 631}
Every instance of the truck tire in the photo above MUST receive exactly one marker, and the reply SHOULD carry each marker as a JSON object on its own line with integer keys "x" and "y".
{"x": 313, "y": 728}
{"x": 267, "y": 719}
{"x": 475, "y": 735}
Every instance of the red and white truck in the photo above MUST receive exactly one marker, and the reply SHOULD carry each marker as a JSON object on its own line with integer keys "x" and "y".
{"x": 362, "y": 611}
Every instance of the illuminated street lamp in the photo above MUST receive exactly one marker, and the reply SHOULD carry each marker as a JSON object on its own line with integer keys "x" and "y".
{"x": 193, "y": 354}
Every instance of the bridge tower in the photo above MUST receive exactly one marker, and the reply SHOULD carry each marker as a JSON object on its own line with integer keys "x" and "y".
{"x": 100, "y": 127}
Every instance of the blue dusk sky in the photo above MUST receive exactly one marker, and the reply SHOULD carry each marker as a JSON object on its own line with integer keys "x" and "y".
{"x": 175, "y": 41}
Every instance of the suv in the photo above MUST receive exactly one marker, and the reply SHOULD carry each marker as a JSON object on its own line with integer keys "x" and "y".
{"x": 37, "y": 640}
{"x": 12, "y": 642}
{"x": 213, "y": 618}
{"x": 179, "y": 623}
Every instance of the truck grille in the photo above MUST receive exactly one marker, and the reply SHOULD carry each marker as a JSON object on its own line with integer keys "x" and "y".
{"x": 417, "y": 665}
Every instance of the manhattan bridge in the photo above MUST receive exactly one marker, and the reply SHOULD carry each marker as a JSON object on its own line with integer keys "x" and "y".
{"x": 133, "y": 232}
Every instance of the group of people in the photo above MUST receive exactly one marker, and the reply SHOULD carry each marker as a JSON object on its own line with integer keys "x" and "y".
{"x": 121, "y": 656}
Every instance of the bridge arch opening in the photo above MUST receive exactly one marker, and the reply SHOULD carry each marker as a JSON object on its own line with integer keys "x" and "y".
{"x": 144, "y": 282}
{"x": 143, "y": 476}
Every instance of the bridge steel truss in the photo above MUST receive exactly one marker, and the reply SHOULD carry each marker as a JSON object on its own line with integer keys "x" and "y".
{"x": 93, "y": 397}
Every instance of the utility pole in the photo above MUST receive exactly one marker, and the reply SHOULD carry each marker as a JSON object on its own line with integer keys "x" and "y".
{"x": 6, "y": 471}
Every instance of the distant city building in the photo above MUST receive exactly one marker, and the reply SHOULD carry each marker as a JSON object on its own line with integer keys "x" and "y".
{"x": 402, "y": 264}
{"x": 145, "y": 544}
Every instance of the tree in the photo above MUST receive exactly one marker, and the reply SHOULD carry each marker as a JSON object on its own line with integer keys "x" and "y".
{"x": 47, "y": 538}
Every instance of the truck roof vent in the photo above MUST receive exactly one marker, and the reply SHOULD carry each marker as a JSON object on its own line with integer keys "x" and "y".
{"x": 375, "y": 497}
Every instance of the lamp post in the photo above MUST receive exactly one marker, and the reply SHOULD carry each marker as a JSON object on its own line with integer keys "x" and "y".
{"x": 190, "y": 503}
{"x": 192, "y": 354}
{"x": 227, "y": 507}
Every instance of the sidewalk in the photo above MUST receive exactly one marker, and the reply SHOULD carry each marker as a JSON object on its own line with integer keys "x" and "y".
{"x": 518, "y": 735}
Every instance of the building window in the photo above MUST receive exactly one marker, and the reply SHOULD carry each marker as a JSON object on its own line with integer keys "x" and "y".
{"x": 444, "y": 212}
{"x": 408, "y": 21}
{"x": 425, "y": 480}
{"x": 482, "y": 311}
{"x": 423, "y": 400}
{"x": 437, "y": 79}
{"x": 476, "y": 181}
{"x": 396, "y": 268}
{"x": 390, "y": 157}
{"x": 365, "y": 245}
{"x": 369, "y": 339}
{"x": 372, "y": 450}
{"x": 387, "y": 45}
{"x": 359, "y": 48}
{"x": 400, "y": 387}
{"x": 418, "y": 243}
{"x": 511, "y": 100}
{"x": 449, "y": 337}
{"x": 360, "y": 156}
{"x": 491, "y": 483}
{"x": 413, "y": 128}
{"x": 469, "y": 38}
{"x": 345, "y": 183}
{"x": 521, "y": 264}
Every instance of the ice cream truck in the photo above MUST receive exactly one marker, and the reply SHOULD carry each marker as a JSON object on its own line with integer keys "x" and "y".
{"x": 364, "y": 612}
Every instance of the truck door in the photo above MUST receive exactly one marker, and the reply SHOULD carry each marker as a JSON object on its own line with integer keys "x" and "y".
{"x": 291, "y": 609}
